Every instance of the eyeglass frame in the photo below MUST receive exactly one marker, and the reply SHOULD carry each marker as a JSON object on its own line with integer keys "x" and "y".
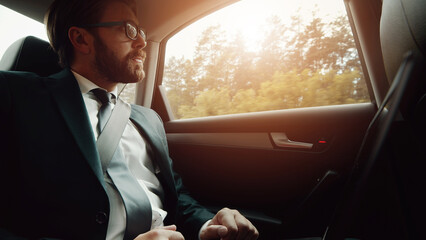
{"x": 123, "y": 23}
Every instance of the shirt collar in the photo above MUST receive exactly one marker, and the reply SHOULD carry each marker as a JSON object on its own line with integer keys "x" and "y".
{"x": 86, "y": 85}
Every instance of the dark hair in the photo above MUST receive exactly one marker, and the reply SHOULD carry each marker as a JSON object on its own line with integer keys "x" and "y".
{"x": 64, "y": 14}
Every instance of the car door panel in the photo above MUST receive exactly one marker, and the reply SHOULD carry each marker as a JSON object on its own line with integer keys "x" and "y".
{"x": 233, "y": 161}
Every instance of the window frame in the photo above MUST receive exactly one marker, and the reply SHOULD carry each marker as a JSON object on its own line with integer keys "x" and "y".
{"x": 161, "y": 102}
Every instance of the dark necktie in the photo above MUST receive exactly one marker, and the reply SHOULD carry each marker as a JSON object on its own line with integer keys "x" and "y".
{"x": 136, "y": 202}
{"x": 105, "y": 111}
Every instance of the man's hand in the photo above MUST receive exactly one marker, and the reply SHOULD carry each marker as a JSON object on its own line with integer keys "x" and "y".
{"x": 162, "y": 233}
{"x": 229, "y": 225}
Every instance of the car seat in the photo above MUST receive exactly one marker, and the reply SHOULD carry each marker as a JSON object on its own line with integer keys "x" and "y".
{"x": 30, "y": 54}
{"x": 384, "y": 196}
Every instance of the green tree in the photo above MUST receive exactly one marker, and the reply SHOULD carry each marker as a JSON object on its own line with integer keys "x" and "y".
{"x": 181, "y": 86}
{"x": 208, "y": 103}
{"x": 271, "y": 55}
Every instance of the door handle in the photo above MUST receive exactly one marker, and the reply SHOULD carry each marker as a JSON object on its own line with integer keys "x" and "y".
{"x": 281, "y": 140}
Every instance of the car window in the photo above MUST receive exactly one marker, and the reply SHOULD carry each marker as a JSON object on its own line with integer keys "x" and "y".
{"x": 14, "y": 26}
{"x": 264, "y": 55}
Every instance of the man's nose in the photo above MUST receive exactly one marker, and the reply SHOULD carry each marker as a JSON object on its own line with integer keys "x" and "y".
{"x": 140, "y": 42}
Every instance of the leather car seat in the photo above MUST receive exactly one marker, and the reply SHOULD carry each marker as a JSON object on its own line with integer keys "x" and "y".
{"x": 30, "y": 54}
{"x": 384, "y": 196}
{"x": 402, "y": 29}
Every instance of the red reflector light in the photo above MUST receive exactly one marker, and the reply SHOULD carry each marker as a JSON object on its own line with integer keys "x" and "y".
{"x": 322, "y": 141}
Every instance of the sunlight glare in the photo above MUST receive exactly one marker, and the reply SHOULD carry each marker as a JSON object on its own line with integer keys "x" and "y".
{"x": 249, "y": 17}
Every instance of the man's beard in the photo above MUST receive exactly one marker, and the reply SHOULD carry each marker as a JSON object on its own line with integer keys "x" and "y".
{"x": 109, "y": 66}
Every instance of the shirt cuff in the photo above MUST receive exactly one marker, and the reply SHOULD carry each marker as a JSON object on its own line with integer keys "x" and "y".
{"x": 202, "y": 228}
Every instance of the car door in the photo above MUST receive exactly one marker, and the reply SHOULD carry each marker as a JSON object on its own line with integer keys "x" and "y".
{"x": 282, "y": 166}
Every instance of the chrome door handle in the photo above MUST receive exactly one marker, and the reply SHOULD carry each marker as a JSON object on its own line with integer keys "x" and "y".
{"x": 281, "y": 140}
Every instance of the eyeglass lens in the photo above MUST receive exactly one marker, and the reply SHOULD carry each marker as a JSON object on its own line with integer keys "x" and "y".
{"x": 132, "y": 32}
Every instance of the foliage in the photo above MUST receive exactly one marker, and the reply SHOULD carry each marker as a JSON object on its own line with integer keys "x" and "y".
{"x": 298, "y": 66}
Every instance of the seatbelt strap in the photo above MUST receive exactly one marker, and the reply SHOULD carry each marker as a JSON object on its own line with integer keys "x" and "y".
{"x": 136, "y": 202}
{"x": 109, "y": 138}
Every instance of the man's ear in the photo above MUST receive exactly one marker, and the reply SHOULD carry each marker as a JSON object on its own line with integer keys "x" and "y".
{"x": 81, "y": 39}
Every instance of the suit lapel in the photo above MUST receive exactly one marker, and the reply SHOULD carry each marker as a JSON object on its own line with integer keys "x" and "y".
{"x": 66, "y": 93}
{"x": 160, "y": 156}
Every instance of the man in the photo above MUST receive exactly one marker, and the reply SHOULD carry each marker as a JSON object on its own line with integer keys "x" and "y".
{"x": 52, "y": 183}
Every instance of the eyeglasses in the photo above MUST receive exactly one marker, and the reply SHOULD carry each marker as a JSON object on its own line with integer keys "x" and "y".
{"x": 131, "y": 29}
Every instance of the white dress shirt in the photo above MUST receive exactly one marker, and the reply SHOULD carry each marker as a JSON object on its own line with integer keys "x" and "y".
{"x": 139, "y": 162}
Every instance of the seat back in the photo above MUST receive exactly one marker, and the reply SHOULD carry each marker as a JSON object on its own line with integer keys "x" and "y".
{"x": 383, "y": 198}
{"x": 374, "y": 202}
{"x": 402, "y": 29}
{"x": 30, "y": 54}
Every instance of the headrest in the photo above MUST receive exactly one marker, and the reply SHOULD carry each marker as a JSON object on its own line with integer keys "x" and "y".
{"x": 402, "y": 29}
{"x": 30, "y": 54}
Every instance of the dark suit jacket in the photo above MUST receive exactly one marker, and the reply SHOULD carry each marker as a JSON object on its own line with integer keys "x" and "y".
{"x": 50, "y": 174}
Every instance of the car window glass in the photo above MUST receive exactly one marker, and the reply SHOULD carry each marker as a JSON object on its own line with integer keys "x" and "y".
{"x": 127, "y": 92}
{"x": 264, "y": 55}
{"x": 14, "y": 26}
